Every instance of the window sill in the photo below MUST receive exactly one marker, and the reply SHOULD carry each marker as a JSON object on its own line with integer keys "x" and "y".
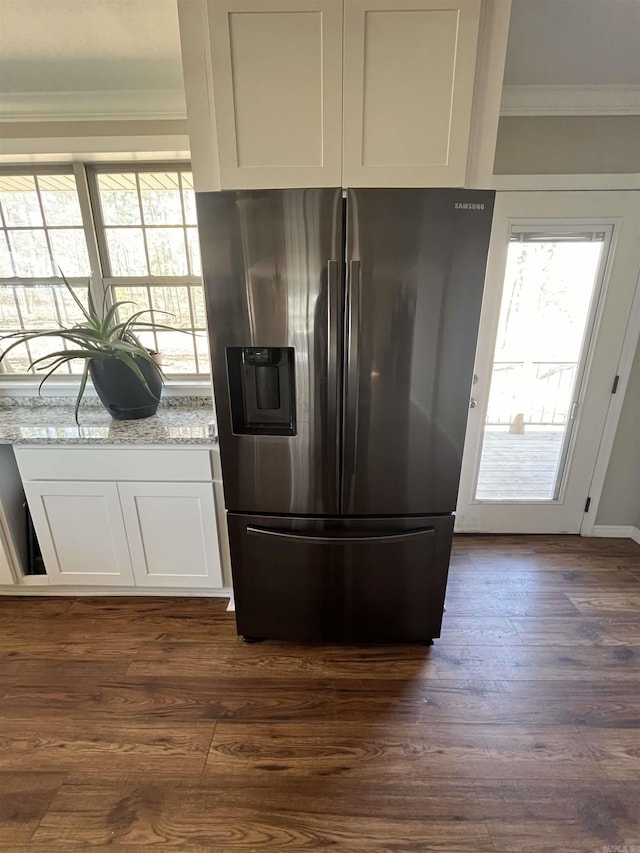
{"x": 17, "y": 386}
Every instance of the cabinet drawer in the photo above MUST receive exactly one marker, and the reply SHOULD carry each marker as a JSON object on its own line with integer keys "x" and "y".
{"x": 113, "y": 463}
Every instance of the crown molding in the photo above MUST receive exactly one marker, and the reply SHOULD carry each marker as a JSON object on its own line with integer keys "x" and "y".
{"x": 104, "y": 105}
{"x": 66, "y": 149}
{"x": 570, "y": 100}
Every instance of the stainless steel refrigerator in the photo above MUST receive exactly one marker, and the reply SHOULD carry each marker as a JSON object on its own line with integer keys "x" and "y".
{"x": 343, "y": 331}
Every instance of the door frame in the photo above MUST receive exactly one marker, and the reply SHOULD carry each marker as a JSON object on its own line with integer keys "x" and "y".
{"x": 630, "y": 343}
{"x": 617, "y": 210}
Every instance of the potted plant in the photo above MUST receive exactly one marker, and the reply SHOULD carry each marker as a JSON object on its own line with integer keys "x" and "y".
{"x": 126, "y": 375}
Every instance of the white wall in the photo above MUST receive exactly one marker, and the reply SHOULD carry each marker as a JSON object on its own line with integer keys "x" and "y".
{"x": 568, "y": 145}
{"x": 620, "y": 502}
{"x": 130, "y": 139}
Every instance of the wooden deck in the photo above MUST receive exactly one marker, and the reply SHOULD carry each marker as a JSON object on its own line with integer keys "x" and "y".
{"x": 519, "y": 466}
{"x": 144, "y": 724}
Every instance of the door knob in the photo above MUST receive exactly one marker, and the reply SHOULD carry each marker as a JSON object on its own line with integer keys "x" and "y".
{"x": 473, "y": 403}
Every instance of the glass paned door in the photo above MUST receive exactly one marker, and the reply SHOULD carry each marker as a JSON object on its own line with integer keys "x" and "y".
{"x": 551, "y": 288}
{"x": 561, "y": 277}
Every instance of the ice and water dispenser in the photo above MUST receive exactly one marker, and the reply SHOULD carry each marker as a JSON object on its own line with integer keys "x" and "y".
{"x": 262, "y": 390}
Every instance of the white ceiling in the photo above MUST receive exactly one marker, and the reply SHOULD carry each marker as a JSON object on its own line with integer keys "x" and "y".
{"x": 573, "y": 42}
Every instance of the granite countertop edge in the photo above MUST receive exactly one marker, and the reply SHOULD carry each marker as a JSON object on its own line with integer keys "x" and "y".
{"x": 190, "y": 421}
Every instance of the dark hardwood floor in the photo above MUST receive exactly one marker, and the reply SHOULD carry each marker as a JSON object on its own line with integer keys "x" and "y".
{"x": 140, "y": 724}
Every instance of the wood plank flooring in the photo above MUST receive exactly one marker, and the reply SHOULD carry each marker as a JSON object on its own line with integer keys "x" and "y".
{"x": 144, "y": 724}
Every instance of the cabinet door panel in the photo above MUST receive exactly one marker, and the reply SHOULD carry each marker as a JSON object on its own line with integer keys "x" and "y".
{"x": 172, "y": 534}
{"x": 277, "y": 81}
{"x": 408, "y": 89}
{"x": 81, "y": 532}
{"x": 6, "y": 575}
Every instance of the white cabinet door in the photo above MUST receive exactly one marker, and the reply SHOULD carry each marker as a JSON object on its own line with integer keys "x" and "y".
{"x": 277, "y": 86}
{"x": 172, "y": 534}
{"x": 409, "y": 73}
{"x": 81, "y": 532}
{"x": 6, "y": 575}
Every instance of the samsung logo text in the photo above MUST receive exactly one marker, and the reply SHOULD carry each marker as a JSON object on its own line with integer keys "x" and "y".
{"x": 465, "y": 205}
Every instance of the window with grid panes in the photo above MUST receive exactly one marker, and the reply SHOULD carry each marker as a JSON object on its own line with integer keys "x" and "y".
{"x": 41, "y": 230}
{"x": 147, "y": 237}
{"x": 146, "y": 222}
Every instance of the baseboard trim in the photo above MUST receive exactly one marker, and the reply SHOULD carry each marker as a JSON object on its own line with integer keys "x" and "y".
{"x": 617, "y": 531}
{"x": 115, "y": 591}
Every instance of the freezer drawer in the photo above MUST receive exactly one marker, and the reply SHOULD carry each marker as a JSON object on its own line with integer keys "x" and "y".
{"x": 340, "y": 580}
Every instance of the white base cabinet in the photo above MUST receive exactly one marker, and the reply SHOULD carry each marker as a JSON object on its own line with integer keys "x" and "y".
{"x": 127, "y": 517}
{"x": 171, "y": 533}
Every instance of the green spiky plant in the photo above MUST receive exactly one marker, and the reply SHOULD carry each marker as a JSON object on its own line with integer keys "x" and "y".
{"x": 100, "y": 335}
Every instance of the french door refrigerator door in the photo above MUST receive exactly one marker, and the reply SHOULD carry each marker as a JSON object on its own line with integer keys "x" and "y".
{"x": 415, "y": 273}
{"x": 340, "y": 580}
{"x": 272, "y": 267}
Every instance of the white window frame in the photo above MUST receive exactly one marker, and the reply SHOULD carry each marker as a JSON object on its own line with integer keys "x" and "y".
{"x": 192, "y": 384}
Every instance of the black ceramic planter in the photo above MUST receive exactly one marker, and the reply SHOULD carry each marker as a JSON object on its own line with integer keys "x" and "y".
{"x": 120, "y": 390}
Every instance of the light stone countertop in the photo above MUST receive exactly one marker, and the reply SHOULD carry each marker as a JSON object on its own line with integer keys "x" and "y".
{"x": 26, "y": 420}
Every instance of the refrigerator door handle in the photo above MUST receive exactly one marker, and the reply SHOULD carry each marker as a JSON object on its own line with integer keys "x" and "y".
{"x": 363, "y": 538}
{"x": 333, "y": 356}
{"x": 351, "y": 383}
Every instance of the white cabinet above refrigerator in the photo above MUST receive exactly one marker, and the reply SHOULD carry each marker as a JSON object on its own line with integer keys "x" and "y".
{"x": 316, "y": 93}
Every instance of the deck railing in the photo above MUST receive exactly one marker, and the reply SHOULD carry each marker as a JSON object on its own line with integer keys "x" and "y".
{"x": 540, "y": 391}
